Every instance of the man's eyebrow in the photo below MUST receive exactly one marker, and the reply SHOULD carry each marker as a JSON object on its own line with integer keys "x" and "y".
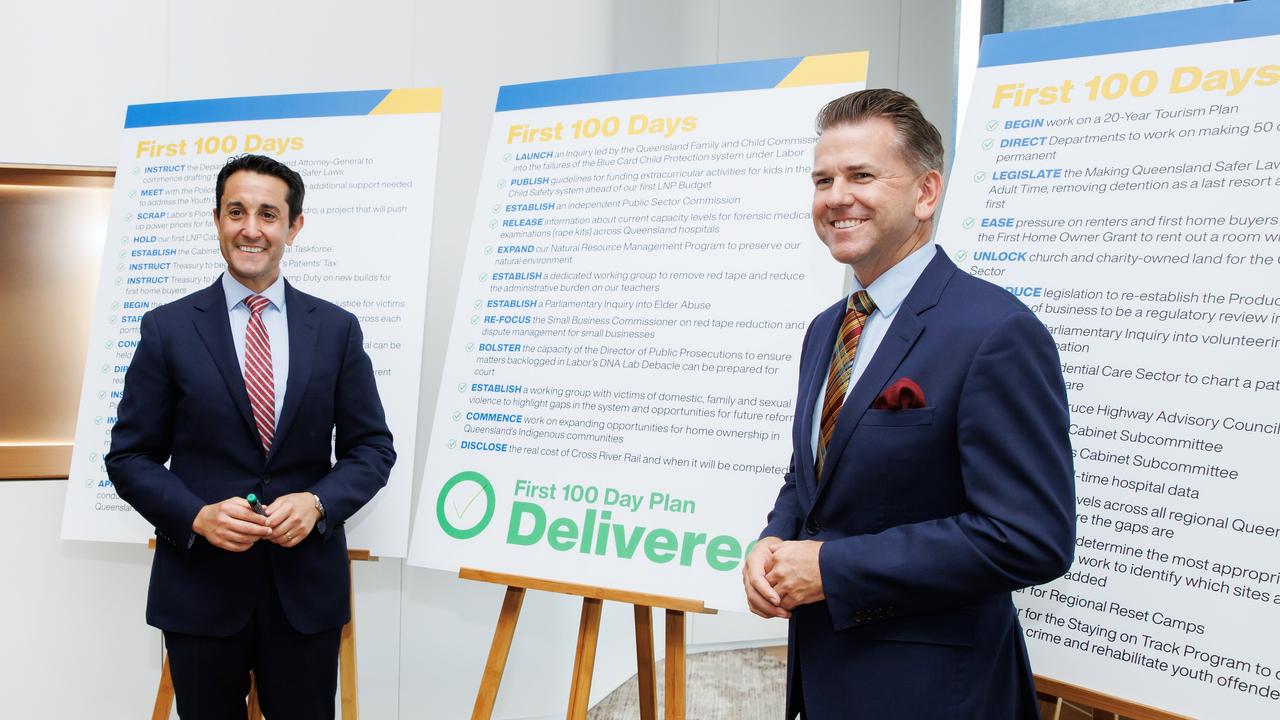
{"x": 851, "y": 168}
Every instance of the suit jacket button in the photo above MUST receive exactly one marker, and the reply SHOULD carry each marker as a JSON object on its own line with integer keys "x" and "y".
{"x": 812, "y": 527}
{"x": 266, "y": 479}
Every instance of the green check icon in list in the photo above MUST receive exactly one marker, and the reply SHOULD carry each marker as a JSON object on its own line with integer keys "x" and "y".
{"x": 465, "y": 505}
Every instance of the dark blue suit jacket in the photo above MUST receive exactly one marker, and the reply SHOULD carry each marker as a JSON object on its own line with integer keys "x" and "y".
{"x": 932, "y": 515}
{"x": 185, "y": 403}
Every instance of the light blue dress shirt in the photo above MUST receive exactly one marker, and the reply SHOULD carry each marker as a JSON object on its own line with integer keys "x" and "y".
{"x": 887, "y": 292}
{"x": 275, "y": 318}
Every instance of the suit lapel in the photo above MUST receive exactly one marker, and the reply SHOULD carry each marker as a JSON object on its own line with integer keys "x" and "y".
{"x": 302, "y": 346}
{"x": 825, "y": 329}
{"x": 214, "y": 328}
{"x": 902, "y": 336}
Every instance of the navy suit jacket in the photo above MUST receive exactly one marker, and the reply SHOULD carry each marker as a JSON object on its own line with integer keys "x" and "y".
{"x": 930, "y": 516}
{"x": 185, "y": 403}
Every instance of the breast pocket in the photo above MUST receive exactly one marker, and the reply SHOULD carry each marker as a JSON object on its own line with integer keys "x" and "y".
{"x": 906, "y": 453}
{"x": 909, "y": 417}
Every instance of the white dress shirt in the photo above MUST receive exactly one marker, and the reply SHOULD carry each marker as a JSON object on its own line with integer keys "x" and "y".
{"x": 887, "y": 292}
{"x": 275, "y": 318}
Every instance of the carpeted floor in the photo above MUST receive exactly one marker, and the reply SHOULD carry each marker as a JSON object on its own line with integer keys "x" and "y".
{"x": 730, "y": 685}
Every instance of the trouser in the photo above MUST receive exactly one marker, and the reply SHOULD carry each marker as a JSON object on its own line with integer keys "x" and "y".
{"x": 296, "y": 674}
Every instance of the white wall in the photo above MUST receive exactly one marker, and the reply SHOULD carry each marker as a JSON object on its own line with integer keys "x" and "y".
{"x": 75, "y": 638}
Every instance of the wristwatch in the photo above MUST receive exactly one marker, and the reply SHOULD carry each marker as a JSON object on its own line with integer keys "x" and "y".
{"x": 319, "y": 505}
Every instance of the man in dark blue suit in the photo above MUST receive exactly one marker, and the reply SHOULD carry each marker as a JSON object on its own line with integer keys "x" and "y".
{"x": 251, "y": 386}
{"x": 931, "y": 470}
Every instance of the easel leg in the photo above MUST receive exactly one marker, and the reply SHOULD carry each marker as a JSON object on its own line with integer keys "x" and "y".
{"x": 254, "y": 710}
{"x": 644, "y": 663}
{"x": 347, "y": 684}
{"x": 584, "y": 660}
{"x": 674, "y": 699}
{"x": 498, "y": 651}
{"x": 164, "y": 693}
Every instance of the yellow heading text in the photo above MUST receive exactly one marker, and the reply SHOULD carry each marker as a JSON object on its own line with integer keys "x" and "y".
{"x": 219, "y": 145}
{"x": 608, "y": 126}
{"x": 1184, "y": 79}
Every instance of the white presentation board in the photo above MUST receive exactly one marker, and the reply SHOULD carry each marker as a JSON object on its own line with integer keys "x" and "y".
{"x": 368, "y": 159}
{"x": 1121, "y": 178}
{"x": 621, "y": 372}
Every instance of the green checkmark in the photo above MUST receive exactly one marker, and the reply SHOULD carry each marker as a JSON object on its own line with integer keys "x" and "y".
{"x": 986, "y": 144}
{"x": 968, "y": 223}
{"x": 459, "y": 513}
{"x": 991, "y": 125}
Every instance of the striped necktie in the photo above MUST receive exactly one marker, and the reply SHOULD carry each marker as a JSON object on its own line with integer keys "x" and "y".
{"x": 855, "y": 316}
{"x": 259, "y": 379}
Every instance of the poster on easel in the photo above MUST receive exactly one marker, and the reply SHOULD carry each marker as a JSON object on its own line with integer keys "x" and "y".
{"x": 368, "y": 159}
{"x": 1121, "y": 179}
{"x": 619, "y": 384}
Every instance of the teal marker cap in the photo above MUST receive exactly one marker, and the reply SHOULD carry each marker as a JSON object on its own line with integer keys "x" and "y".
{"x": 251, "y": 498}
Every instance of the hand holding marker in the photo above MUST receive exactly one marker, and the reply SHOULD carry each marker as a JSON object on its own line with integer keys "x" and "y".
{"x": 258, "y": 507}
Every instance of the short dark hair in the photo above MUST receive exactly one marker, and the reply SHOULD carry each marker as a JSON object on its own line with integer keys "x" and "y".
{"x": 263, "y": 165}
{"x": 918, "y": 140}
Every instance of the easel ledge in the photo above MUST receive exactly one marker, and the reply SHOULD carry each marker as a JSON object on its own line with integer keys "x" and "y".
{"x": 348, "y": 685}
{"x": 1105, "y": 707}
{"x": 593, "y": 598}
{"x": 587, "y": 591}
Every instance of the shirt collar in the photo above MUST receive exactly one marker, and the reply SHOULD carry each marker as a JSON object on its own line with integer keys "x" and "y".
{"x": 237, "y": 292}
{"x": 890, "y": 289}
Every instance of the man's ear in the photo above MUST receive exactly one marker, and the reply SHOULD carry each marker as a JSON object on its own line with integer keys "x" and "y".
{"x": 929, "y": 195}
{"x": 295, "y": 227}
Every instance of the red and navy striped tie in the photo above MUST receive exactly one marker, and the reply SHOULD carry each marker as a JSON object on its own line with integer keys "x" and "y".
{"x": 259, "y": 379}
{"x": 855, "y": 316}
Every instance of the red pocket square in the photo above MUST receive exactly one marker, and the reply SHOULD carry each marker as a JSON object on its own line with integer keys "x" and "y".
{"x": 904, "y": 393}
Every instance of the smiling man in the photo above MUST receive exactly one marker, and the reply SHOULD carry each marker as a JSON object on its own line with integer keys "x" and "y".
{"x": 931, "y": 465}
{"x": 244, "y": 388}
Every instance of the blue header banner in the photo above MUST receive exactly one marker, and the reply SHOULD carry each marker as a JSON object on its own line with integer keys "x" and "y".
{"x": 264, "y": 107}
{"x": 728, "y": 77}
{"x": 1217, "y": 23}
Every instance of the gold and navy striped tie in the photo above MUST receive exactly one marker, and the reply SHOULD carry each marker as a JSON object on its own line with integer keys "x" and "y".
{"x": 855, "y": 316}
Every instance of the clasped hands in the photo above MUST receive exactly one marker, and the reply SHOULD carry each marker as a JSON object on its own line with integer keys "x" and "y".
{"x": 233, "y": 525}
{"x": 779, "y": 576}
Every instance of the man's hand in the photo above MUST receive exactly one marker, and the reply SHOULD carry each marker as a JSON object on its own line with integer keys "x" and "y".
{"x": 761, "y": 597}
{"x": 796, "y": 575}
{"x": 231, "y": 525}
{"x": 291, "y": 518}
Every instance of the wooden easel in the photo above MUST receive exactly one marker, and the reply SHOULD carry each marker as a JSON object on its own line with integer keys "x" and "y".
{"x": 1054, "y": 694}
{"x": 347, "y": 685}
{"x": 584, "y": 658}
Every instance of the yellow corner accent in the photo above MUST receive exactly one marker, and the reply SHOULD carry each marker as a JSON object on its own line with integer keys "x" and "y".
{"x": 828, "y": 69}
{"x": 407, "y": 101}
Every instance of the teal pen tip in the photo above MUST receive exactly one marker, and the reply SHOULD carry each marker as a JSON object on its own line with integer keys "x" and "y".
{"x": 251, "y": 498}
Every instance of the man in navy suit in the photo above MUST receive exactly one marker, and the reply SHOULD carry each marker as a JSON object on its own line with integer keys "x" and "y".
{"x": 940, "y": 478}
{"x": 251, "y": 386}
